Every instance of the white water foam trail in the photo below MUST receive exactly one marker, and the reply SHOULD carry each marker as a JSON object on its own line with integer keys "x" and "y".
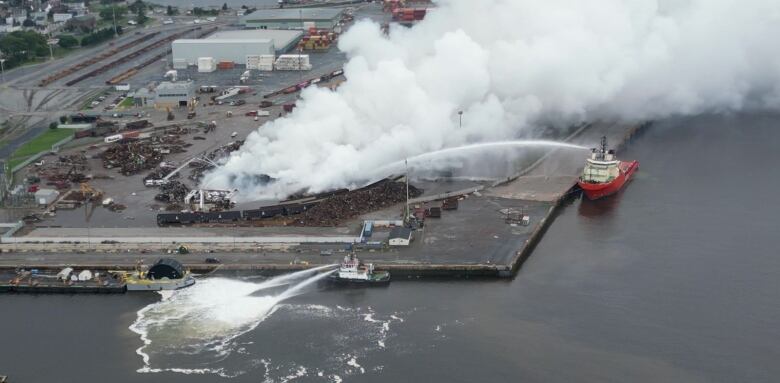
{"x": 205, "y": 319}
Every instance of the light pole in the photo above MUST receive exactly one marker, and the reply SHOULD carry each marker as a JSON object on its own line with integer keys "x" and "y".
{"x": 113, "y": 15}
{"x": 51, "y": 42}
{"x": 2, "y": 70}
{"x": 460, "y": 119}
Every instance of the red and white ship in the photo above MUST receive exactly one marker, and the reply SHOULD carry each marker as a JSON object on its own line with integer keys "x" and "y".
{"x": 604, "y": 175}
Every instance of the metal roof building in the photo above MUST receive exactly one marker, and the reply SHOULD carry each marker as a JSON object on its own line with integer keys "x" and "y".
{"x": 174, "y": 94}
{"x": 400, "y": 236}
{"x": 235, "y": 45}
{"x": 286, "y": 18}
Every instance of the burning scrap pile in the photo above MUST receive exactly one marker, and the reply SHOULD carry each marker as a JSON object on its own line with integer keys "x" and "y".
{"x": 200, "y": 167}
{"x": 133, "y": 157}
{"x": 338, "y": 208}
{"x": 172, "y": 192}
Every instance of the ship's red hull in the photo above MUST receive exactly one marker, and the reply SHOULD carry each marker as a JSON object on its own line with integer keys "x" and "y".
{"x": 600, "y": 190}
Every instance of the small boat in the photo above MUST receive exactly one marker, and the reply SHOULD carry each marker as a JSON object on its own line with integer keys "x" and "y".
{"x": 604, "y": 175}
{"x": 165, "y": 274}
{"x": 354, "y": 272}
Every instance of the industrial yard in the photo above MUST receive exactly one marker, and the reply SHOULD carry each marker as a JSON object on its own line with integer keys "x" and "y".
{"x": 149, "y": 123}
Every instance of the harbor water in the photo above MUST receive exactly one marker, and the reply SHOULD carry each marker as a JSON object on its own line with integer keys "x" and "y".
{"x": 675, "y": 279}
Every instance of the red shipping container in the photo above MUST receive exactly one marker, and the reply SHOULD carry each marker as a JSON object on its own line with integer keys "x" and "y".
{"x": 226, "y": 65}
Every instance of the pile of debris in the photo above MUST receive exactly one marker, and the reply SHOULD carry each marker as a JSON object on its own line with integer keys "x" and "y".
{"x": 225, "y": 150}
{"x": 134, "y": 157}
{"x": 172, "y": 192}
{"x": 63, "y": 171}
{"x": 338, "y": 208}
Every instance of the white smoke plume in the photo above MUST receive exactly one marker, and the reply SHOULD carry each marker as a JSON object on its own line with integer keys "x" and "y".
{"x": 510, "y": 65}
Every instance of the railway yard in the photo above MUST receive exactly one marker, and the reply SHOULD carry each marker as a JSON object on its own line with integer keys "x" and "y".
{"x": 127, "y": 186}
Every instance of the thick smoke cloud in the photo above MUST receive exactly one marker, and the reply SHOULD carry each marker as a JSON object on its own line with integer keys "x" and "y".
{"x": 510, "y": 65}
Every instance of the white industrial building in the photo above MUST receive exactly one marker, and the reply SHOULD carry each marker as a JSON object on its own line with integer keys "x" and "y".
{"x": 174, "y": 94}
{"x": 234, "y": 46}
{"x": 400, "y": 236}
{"x": 289, "y": 18}
{"x": 46, "y": 197}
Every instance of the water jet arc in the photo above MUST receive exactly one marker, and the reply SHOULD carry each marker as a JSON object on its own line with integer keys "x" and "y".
{"x": 479, "y": 146}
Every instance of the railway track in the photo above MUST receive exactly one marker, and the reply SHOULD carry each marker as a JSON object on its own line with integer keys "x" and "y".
{"x": 73, "y": 69}
{"x": 131, "y": 56}
{"x": 132, "y": 71}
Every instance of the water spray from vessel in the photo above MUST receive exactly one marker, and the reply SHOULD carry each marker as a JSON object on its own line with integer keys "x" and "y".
{"x": 465, "y": 149}
{"x": 206, "y": 319}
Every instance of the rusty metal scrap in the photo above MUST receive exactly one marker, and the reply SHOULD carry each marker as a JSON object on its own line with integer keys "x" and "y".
{"x": 335, "y": 209}
{"x": 172, "y": 192}
{"x": 134, "y": 156}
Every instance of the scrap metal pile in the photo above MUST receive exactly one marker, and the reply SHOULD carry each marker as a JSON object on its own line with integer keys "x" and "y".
{"x": 64, "y": 170}
{"x": 172, "y": 192}
{"x": 340, "y": 207}
{"x": 136, "y": 156}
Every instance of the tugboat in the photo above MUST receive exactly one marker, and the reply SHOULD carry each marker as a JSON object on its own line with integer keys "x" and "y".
{"x": 604, "y": 175}
{"x": 353, "y": 272}
{"x": 165, "y": 274}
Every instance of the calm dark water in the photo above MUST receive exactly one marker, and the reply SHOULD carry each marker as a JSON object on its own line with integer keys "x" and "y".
{"x": 676, "y": 279}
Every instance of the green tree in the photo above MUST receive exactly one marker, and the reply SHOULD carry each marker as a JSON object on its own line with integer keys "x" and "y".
{"x": 224, "y": 7}
{"x": 99, "y": 36}
{"x": 22, "y": 46}
{"x": 67, "y": 41}
{"x": 171, "y": 11}
{"x": 28, "y": 23}
{"x": 136, "y": 5}
{"x": 53, "y": 125}
{"x": 107, "y": 13}
{"x": 140, "y": 16}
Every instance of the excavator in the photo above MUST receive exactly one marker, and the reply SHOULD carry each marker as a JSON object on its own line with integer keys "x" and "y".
{"x": 191, "y": 113}
{"x": 91, "y": 195}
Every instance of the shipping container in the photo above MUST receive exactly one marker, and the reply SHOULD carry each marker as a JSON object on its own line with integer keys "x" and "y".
{"x": 206, "y": 64}
{"x": 226, "y": 65}
{"x": 450, "y": 204}
{"x": 139, "y": 124}
{"x": 84, "y": 133}
{"x": 368, "y": 229}
{"x": 81, "y": 118}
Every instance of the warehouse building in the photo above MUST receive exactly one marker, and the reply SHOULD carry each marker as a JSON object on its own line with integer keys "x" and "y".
{"x": 235, "y": 45}
{"x": 174, "y": 94}
{"x": 302, "y": 18}
{"x": 400, "y": 236}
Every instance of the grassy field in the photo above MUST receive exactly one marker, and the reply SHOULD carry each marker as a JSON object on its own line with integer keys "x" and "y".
{"x": 38, "y": 144}
{"x": 126, "y": 103}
